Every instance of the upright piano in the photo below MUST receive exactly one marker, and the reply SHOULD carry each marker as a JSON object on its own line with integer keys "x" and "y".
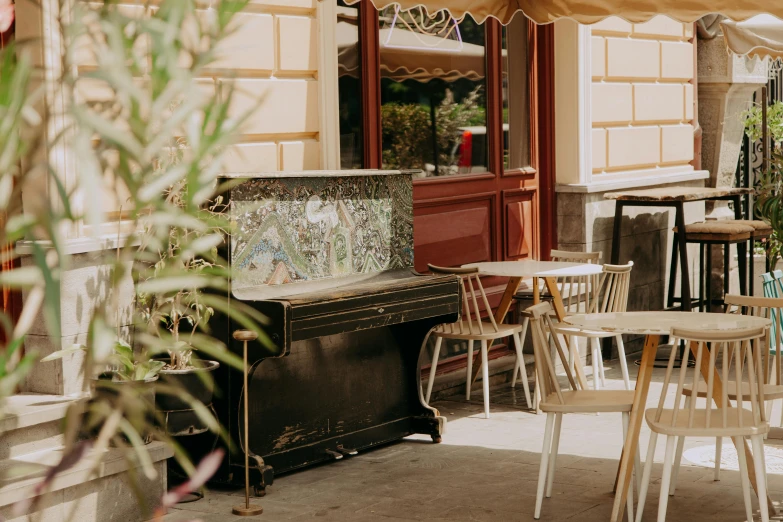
{"x": 328, "y": 258}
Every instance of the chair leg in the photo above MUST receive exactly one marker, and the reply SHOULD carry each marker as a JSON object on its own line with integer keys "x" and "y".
{"x": 470, "y": 370}
{"x": 757, "y": 442}
{"x": 623, "y": 362}
{"x": 676, "y": 465}
{"x": 678, "y": 454}
{"x": 663, "y": 499}
{"x": 536, "y": 394}
{"x": 550, "y": 477}
{"x": 485, "y": 376}
{"x": 433, "y": 367}
{"x": 573, "y": 352}
{"x": 519, "y": 365}
{"x": 648, "y": 463}
{"x": 744, "y": 477}
{"x": 596, "y": 353}
{"x": 629, "y": 498}
{"x": 718, "y": 451}
{"x": 526, "y": 389}
{"x": 544, "y": 466}
{"x": 601, "y": 367}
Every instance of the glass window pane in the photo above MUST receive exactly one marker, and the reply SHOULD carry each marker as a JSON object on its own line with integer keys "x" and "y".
{"x": 350, "y": 89}
{"x": 433, "y": 100}
{"x": 516, "y": 104}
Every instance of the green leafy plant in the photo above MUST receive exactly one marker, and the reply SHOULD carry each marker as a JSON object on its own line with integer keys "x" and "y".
{"x": 147, "y": 63}
{"x": 407, "y": 131}
{"x": 768, "y": 201}
{"x": 190, "y": 304}
{"x": 753, "y": 122}
{"x": 127, "y": 367}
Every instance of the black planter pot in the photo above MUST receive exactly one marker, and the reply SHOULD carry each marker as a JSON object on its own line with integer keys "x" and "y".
{"x": 180, "y": 419}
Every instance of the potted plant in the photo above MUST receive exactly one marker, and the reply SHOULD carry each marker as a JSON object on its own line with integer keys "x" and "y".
{"x": 129, "y": 378}
{"x": 176, "y": 316}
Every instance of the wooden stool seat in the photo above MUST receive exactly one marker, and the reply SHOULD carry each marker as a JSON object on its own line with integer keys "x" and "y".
{"x": 759, "y": 226}
{"x": 706, "y": 234}
{"x": 718, "y": 231}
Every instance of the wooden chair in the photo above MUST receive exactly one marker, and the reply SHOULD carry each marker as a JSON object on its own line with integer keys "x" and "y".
{"x": 556, "y": 401}
{"x": 767, "y": 307}
{"x": 720, "y": 352}
{"x": 577, "y": 292}
{"x": 611, "y": 295}
{"x": 473, "y": 328}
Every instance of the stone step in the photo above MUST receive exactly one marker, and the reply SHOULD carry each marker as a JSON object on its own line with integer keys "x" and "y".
{"x": 32, "y": 422}
{"x": 97, "y": 488}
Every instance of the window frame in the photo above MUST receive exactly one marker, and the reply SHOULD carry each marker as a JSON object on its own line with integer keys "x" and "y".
{"x": 370, "y": 78}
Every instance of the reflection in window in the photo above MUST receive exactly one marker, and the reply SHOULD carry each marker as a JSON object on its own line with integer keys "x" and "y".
{"x": 433, "y": 101}
{"x": 350, "y": 91}
{"x": 516, "y": 122}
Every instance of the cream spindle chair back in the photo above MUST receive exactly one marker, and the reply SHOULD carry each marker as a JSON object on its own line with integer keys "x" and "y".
{"x": 477, "y": 323}
{"x": 613, "y": 290}
{"x": 578, "y": 292}
{"x": 768, "y": 308}
{"x": 473, "y": 308}
{"x": 725, "y": 361}
{"x": 734, "y": 356}
{"x": 546, "y": 343}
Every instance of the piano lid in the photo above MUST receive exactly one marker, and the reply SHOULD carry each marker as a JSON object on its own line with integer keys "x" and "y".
{"x": 297, "y": 234}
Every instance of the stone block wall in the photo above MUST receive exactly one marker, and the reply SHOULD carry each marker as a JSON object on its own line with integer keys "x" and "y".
{"x": 641, "y": 130}
{"x": 85, "y": 285}
{"x": 642, "y": 95}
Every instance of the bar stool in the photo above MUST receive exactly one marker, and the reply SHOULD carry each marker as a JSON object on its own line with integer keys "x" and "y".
{"x": 761, "y": 232}
{"x": 705, "y": 235}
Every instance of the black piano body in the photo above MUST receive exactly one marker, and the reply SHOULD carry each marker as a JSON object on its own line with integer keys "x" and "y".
{"x": 328, "y": 257}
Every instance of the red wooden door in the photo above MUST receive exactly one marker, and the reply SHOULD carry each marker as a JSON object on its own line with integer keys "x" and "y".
{"x": 500, "y": 214}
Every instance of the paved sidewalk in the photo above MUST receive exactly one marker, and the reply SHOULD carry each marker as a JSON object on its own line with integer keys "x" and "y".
{"x": 486, "y": 470}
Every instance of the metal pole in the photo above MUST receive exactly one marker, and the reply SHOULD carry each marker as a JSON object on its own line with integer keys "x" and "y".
{"x": 246, "y": 510}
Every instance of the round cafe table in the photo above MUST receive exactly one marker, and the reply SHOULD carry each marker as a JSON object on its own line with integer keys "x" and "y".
{"x": 550, "y": 271}
{"x": 653, "y": 325}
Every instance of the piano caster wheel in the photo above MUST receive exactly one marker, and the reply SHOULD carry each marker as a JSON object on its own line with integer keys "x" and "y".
{"x": 259, "y": 491}
{"x": 437, "y": 439}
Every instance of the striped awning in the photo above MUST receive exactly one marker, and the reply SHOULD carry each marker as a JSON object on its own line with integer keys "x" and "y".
{"x": 592, "y": 11}
{"x": 760, "y": 36}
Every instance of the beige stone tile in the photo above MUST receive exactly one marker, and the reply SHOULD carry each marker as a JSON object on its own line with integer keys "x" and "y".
{"x": 297, "y": 43}
{"x": 677, "y": 60}
{"x": 598, "y": 57}
{"x": 634, "y": 146}
{"x": 300, "y": 155}
{"x": 658, "y": 102}
{"x": 612, "y": 25}
{"x": 659, "y": 26}
{"x": 276, "y": 106}
{"x": 633, "y": 59}
{"x": 599, "y": 148}
{"x": 251, "y": 46}
{"x": 676, "y": 143}
{"x": 612, "y": 103}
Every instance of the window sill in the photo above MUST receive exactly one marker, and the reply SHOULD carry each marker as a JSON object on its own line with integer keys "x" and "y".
{"x": 609, "y": 182}
{"x": 81, "y": 245}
